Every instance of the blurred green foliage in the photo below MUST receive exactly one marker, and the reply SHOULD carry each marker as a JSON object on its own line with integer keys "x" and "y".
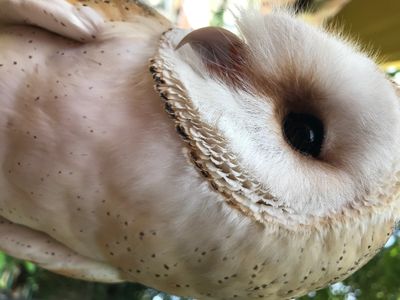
{"x": 218, "y": 15}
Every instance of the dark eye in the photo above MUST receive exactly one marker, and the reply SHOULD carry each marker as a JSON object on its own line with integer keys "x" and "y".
{"x": 304, "y": 132}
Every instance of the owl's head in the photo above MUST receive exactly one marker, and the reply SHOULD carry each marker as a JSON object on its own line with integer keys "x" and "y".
{"x": 297, "y": 130}
{"x": 286, "y": 121}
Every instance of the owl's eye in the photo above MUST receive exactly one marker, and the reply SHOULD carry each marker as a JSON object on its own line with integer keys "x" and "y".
{"x": 304, "y": 132}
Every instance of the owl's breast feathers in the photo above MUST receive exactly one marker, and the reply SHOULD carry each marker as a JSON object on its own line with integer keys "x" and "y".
{"x": 45, "y": 41}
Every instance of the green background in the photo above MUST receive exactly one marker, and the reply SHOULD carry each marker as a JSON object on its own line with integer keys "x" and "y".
{"x": 375, "y": 23}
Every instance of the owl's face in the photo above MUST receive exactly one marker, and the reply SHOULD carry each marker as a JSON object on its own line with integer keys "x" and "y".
{"x": 307, "y": 116}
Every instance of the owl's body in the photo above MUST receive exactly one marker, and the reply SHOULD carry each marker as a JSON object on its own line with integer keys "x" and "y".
{"x": 97, "y": 184}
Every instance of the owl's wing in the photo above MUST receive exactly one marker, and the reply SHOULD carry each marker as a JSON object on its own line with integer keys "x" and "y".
{"x": 28, "y": 244}
{"x": 79, "y": 20}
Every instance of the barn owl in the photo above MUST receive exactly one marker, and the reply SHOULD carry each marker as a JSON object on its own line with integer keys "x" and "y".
{"x": 202, "y": 163}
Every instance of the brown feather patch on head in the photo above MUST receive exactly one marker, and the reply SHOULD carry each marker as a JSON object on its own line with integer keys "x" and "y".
{"x": 224, "y": 54}
{"x": 229, "y": 59}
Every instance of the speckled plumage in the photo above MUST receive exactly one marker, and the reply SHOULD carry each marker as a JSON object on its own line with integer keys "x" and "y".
{"x": 97, "y": 184}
